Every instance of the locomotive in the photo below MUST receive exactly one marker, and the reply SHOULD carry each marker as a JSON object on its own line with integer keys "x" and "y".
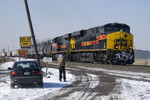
{"x": 109, "y": 43}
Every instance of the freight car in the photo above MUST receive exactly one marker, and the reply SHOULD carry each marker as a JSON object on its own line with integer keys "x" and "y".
{"x": 19, "y": 52}
{"x": 109, "y": 43}
{"x": 2, "y": 54}
{"x": 44, "y": 50}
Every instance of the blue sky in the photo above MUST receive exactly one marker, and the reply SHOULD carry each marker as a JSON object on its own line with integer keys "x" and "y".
{"x": 52, "y": 18}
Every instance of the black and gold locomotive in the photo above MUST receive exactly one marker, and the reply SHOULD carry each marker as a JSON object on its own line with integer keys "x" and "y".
{"x": 109, "y": 43}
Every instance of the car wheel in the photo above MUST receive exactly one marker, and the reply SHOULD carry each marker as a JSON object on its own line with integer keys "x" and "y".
{"x": 41, "y": 84}
{"x": 12, "y": 85}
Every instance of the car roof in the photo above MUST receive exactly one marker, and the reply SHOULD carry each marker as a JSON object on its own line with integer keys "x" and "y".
{"x": 25, "y": 61}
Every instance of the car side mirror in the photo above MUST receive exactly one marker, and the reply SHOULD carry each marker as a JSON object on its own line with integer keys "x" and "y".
{"x": 9, "y": 68}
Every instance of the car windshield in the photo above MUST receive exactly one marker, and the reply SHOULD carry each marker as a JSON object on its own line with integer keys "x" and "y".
{"x": 26, "y": 65}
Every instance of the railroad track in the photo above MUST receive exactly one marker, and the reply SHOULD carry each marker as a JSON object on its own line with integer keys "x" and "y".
{"x": 4, "y": 72}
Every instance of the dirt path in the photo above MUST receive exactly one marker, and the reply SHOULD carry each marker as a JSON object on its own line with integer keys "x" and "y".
{"x": 95, "y": 81}
{"x": 87, "y": 85}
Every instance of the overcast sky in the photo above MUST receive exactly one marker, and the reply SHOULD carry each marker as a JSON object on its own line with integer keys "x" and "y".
{"x": 52, "y": 18}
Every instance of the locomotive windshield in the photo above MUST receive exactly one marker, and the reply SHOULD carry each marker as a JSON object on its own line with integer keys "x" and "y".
{"x": 111, "y": 29}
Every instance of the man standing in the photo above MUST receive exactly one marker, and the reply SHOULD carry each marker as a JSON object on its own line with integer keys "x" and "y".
{"x": 61, "y": 65}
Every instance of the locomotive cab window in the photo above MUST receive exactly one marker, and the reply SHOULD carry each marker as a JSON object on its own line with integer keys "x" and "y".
{"x": 101, "y": 30}
{"x": 125, "y": 29}
{"x": 112, "y": 29}
{"x": 97, "y": 29}
{"x": 108, "y": 30}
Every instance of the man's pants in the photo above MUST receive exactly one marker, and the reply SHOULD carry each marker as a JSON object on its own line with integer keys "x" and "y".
{"x": 62, "y": 71}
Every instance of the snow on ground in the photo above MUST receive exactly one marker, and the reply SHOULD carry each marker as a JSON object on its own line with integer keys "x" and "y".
{"x": 126, "y": 74}
{"x": 138, "y": 90}
{"x": 130, "y": 90}
{"x": 130, "y": 87}
{"x": 30, "y": 93}
{"x": 6, "y": 65}
{"x": 82, "y": 95}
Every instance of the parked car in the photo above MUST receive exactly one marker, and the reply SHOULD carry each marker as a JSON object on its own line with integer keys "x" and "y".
{"x": 26, "y": 72}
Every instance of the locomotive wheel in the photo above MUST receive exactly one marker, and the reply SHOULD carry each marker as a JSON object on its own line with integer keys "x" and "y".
{"x": 96, "y": 57}
{"x": 115, "y": 62}
{"x": 79, "y": 59}
{"x": 103, "y": 58}
{"x": 123, "y": 63}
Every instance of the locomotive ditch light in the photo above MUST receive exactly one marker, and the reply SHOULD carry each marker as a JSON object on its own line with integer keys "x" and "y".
{"x": 116, "y": 47}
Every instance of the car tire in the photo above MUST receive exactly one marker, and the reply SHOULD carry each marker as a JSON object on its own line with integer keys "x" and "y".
{"x": 41, "y": 84}
{"x": 12, "y": 85}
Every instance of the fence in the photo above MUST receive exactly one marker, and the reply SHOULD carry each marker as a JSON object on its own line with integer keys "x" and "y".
{"x": 142, "y": 62}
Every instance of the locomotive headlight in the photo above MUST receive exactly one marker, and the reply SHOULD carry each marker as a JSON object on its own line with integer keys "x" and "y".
{"x": 130, "y": 47}
{"x": 116, "y": 47}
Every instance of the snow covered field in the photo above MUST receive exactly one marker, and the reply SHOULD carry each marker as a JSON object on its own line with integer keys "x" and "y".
{"x": 50, "y": 85}
{"x": 31, "y": 93}
{"x": 130, "y": 86}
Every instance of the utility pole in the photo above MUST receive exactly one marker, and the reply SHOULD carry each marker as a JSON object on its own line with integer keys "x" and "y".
{"x": 32, "y": 32}
{"x": 3, "y": 50}
{"x": 8, "y": 48}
